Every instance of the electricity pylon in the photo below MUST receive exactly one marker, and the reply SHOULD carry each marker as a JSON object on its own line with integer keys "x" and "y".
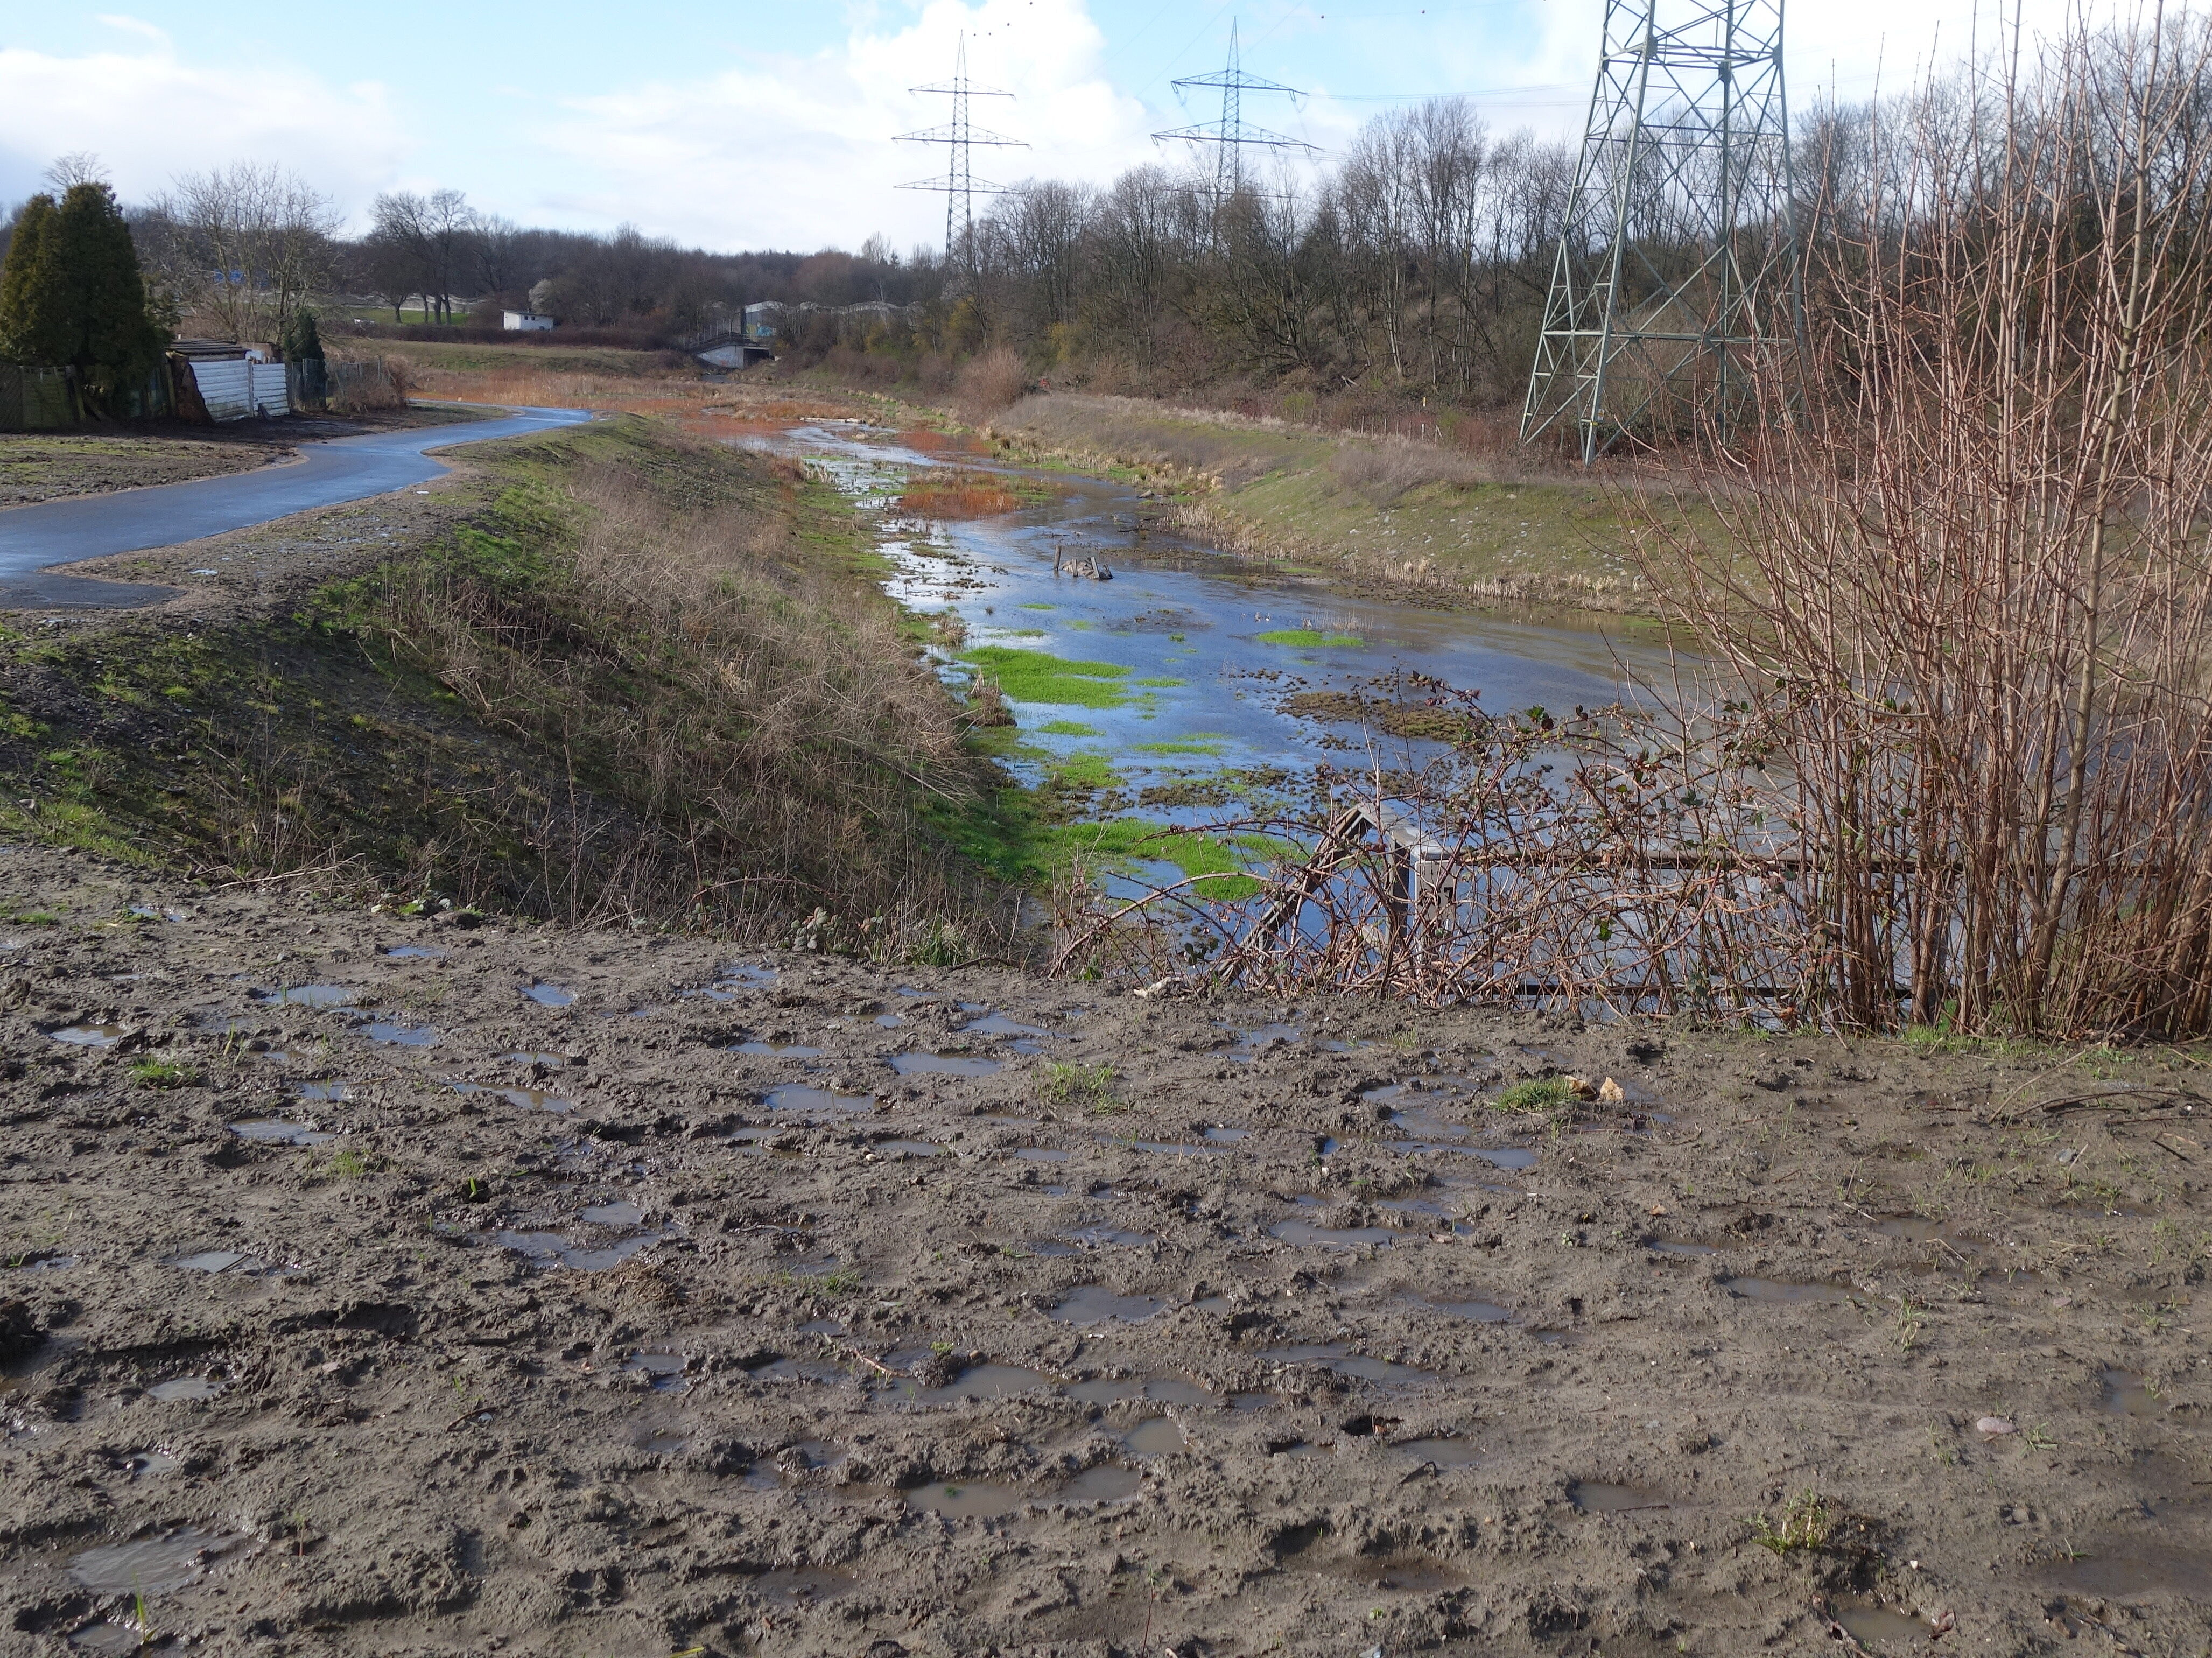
{"x": 1677, "y": 273}
{"x": 1232, "y": 132}
{"x": 959, "y": 184}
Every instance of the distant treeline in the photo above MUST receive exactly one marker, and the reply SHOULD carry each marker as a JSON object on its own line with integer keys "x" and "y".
{"x": 1412, "y": 268}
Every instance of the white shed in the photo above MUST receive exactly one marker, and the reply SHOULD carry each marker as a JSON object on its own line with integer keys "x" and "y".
{"x": 526, "y": 322}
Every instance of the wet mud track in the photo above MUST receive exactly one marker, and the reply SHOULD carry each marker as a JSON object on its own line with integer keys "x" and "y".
{"x": 377, "y": 1285}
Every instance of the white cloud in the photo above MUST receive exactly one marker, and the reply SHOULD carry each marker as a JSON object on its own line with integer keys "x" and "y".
{"x": 116, "y": 20}
{"x": 150, "y": 116}
{"x": 797, "y": 152}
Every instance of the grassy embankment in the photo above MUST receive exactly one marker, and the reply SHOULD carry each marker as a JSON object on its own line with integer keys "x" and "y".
{"x": 639, "y": 676}
{"x": 1422, "y": 521}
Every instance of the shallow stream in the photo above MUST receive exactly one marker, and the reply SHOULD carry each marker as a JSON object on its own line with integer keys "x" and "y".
{"x": 1170, "y": 676}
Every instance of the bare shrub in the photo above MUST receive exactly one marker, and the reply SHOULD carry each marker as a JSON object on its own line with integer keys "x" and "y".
{"x": 1945, "y": 756}
{"x": 994, "y": 380}
{"x": 1965, "y": 610}
{"x": 359, "y": 382}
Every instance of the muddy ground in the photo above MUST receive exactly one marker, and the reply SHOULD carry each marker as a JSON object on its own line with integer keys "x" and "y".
{"x": 389, "y": 1284}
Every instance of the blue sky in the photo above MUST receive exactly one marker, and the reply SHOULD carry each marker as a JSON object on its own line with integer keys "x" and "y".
{"x": 754, "y": 125}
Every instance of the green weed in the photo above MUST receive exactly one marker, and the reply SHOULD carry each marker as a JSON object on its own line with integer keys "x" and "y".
{"x": 1544, "y": 1094}
{"x": 1806, "y": 1525}
{"x": 1070, "y": 1084}
{"x": 163, "y": 1073}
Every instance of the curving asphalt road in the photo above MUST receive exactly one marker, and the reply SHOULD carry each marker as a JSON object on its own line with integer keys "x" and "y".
{"x": 32, "y": 539}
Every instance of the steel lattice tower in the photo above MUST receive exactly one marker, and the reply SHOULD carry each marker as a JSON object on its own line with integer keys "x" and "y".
{"x": 1231, "y": 133}
{"x": 959, "y": 184}
{"x": 1677, "y": 269}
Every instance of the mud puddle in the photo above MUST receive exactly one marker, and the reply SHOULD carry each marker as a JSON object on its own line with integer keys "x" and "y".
{"x": 1790, "y": 1292}
{"x": 152, "y": 1565}
{"x": 1880, "y": 1628}
{"x": 184, "y": 1389}
{"x": 1601, "y": 1497}
{"x": 271, "y": 1131}
{"x": 316, "y": 996}
{"x": 944, "y": 1064}
{"x": 89, "y": 1035}
{"x": 1335, "y": 1356}
{"x": 547, "y": 1250}
{"x": 1092, "y": 1303}
{"x": 804, "y": 1099}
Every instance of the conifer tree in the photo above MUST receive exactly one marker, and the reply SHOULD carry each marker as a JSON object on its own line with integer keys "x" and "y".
{"x": 71, "y": 293}
{"x": 33, "y": 321}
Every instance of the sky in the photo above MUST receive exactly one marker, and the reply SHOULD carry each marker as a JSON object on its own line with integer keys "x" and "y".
{"x": 749, "y": 125}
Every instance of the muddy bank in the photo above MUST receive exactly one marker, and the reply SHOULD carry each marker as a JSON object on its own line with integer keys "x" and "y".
{"x": 382, "y": 1284}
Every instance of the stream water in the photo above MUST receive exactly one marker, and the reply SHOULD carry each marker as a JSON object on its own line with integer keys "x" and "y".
{"x": 1188, "y": 654}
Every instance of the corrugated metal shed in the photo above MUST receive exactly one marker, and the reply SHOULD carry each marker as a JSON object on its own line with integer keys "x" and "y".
{"x": 238, "y": 388}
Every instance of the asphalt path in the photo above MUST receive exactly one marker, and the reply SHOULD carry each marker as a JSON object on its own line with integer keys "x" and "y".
{"x": 33, "y": 539}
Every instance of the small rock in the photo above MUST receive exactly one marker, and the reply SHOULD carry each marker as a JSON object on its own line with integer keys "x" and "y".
{"x": 1993, "y": 1425}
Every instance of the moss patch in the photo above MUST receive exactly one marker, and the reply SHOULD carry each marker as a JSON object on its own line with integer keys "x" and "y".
{"x": 1307, "y": 639}
{"x": 1028, "y": 676}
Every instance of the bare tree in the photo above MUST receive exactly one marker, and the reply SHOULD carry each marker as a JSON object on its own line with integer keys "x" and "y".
{"x": 436, "y": 234}
{"x": 79, "y": 167}
{"x": 240, "y": 247}
{"x": 498, "y": 244}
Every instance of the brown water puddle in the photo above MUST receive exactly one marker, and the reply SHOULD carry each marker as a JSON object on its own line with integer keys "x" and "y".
{"x": 1879, "y": 1628}
{"x": 1307, "y": 1233}
{"x": 1453, "y": 1453}
{"x": 1093, "y": 1303}
{"x": 978, "y": 1382}
{"x": 1156, "y": 1435}
{"x": 2131, "y": 1568}
{"x": 1598, "y": 1496}
{"x": 1335, "y": 1356}
{"x": 88, "y": 1035}
{"x": 2126, "y": 1394}
{"x": 184, "y": 1389}
{"x": 269, "y": 1131}
{"x": 663, "y": 1371}
{"x": 1787, "y": 1291}
{"x": 152, "y": 1565}
{"x": 1158, "y": 1390}
{"x": 943, "y": 1065}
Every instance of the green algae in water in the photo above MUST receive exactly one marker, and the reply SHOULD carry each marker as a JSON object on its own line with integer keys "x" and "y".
{"x": 1205, "y": 743}
{"x": 1216, "y": 863}
{"x": 1039, "y": 677}
{"x": 1158, "y": 682}
{"x": 1067, "y": 728}
{"x": 1085, "y": 771}
{"x": 1308, "y": 639}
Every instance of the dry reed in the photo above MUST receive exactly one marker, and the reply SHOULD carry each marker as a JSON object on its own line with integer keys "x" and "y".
{"x": 747, "y": 738}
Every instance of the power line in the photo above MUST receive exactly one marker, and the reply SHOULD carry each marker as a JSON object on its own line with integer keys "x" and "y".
{"x": 959, "y": 135}
{"x": 1677, "y": 271}
{"x": 1232, "y": 132}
